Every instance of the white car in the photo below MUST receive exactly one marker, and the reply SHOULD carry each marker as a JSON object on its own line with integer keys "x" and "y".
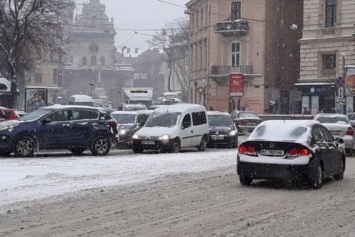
{"x": 339, "y": 125}
{"x": 291, "y": 150}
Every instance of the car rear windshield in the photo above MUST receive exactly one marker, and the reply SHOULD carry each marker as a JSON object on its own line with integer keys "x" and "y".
{"x": 332, "y": 120}
{"x": 281, "y": 131}
{"x": 248, "y": 115}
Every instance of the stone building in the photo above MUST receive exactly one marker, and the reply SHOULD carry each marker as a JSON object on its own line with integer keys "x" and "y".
{"x": 255, "y": 38}
{"x": 327, "y": 49}
{"x": 92, "y": 64}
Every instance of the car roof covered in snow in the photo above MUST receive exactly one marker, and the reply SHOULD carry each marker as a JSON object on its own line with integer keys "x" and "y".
{"x": 217, "y": 113}
{"x": 180, "y": 107}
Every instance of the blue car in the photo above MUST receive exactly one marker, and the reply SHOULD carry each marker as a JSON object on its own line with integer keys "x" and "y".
{"x": 71, "y": 127}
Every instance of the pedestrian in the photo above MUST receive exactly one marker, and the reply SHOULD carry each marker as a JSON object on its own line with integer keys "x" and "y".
{"x": 211, "y": 108}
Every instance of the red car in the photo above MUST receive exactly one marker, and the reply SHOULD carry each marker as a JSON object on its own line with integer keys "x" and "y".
{"x": 7, "y": 114}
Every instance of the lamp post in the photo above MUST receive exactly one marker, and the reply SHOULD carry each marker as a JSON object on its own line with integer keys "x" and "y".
{"x": 342, "y": 88}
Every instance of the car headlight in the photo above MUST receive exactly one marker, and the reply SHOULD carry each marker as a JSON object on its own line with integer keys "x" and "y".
{"x": 232, "y": 133}
{"x": 122, "y": 132}
{"x": 164, "y": 137}
{"x": 135, "y": 136}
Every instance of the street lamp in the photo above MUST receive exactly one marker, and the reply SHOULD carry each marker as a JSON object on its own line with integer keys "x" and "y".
{"x": 342, "y": 88}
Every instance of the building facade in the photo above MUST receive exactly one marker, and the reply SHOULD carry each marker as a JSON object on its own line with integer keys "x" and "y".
{"x": 255, "y": 38}
{"x": 327, "y": 50}
{"x": 92, "y": 63}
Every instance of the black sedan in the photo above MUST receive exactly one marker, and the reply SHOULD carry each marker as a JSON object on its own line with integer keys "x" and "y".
{"x": 222, "y": 130}
{"x": 291, "y": 150}
{"x": 245, "y": 121}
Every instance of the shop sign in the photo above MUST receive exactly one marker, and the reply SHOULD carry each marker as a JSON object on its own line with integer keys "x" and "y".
{"x": 236, "y": 84}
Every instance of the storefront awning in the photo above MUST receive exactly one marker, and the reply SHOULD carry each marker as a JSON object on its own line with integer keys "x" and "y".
{"x": 316, "y": 88}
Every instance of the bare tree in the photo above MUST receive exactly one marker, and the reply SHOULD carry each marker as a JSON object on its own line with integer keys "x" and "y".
{"x": 174, "y": 38}
{"x": 28, "y": 26}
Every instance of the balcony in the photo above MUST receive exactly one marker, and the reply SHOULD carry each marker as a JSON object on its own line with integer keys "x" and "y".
{"x": 220, "y": 74}
{"x": 232, "y": 28}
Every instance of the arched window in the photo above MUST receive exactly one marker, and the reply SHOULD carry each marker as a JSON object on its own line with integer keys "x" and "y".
{"x": 93, "y": 60}
{"x": 102, "y": 60}
{"x": 84, "y": 61}
{"x": 94, "y": 21}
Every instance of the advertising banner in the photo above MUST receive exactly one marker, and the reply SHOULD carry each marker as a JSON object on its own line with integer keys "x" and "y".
{"x": 236, "y": 84}
{"x": 350, "y": 80}
{"x": 35, "y": 98}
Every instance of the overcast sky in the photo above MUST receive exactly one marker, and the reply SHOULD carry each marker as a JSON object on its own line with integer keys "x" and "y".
{"x": 142, "y": 16}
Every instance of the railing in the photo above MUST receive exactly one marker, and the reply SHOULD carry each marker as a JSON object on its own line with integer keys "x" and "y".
{"x": 226, "y": 70}
{"x": 230, "y": 28}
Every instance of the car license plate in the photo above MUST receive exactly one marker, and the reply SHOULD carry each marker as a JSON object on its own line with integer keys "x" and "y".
{"x": 217, "y": 138}
{"x": 272, "y": 152}
{"x": 148, "y": 142}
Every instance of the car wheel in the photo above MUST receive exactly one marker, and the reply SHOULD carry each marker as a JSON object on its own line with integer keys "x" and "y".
{"x": 340, "y": 176}
{"x": 203, "y": 144}
{"x": 175, "y": 146}
{"x": 137, "y": 149}
{"x": 25, "y": 147}
{"x": 317, "y": 177}
{"x": 245, "y": 180}
{"x": 100, "y": 146}
{"x": 77, "y": 151}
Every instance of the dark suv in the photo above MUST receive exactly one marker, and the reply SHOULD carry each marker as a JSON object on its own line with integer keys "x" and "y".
{"x": 72, "y": 127}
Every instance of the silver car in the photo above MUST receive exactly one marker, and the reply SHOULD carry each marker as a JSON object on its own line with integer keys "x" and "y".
{"x": 339, "y": 125}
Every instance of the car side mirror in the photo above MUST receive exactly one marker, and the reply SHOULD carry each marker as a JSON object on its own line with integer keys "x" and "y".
{"x": 46, "y": 120}
{"x": 339, "y": 140}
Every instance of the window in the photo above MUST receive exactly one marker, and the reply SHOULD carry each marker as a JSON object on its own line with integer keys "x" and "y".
{"x": 186, "y": 122}
{"x": 318, "y": 135}
{"x": 102, "y": 61}
{"x": 235, "y": 11}
{"x": 38, "y": 54}
{"x": 329, "y": 61}
{"x": 38, "y": 76}
{"x": 55, "y": 76}
{"x": 93, "y": 60}
{"x": 84, "y": 61}
{"x": 235, "y": 54}
{"x": 330, "y": 13}
{"x": 199, "y": 118}
{"x": 327, "y": 135}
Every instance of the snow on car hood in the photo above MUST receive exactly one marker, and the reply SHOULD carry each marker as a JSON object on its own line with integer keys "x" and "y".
{"x": 9, "y": 123}
{"x": 221, "y": 128}
{"x": 154, "y": 131}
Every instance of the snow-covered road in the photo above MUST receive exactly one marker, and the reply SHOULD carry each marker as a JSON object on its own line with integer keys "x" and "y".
{"x": 26, "y": 179}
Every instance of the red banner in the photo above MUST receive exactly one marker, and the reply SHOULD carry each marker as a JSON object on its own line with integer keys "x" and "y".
{"x": 236, "y": 84}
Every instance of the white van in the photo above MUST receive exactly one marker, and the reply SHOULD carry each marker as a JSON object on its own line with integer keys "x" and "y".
{"x": 173, "y": 127}
{"x": 81, "y": 100}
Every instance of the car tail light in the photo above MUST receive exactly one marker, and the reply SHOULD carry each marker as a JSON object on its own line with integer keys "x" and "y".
{"x": 112, "y": 123}
{"x": 350, "y": 131}
{"x": 247, "y": 150}
{"x": 242, "y": 149}
{"x": 294, "y": 152}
